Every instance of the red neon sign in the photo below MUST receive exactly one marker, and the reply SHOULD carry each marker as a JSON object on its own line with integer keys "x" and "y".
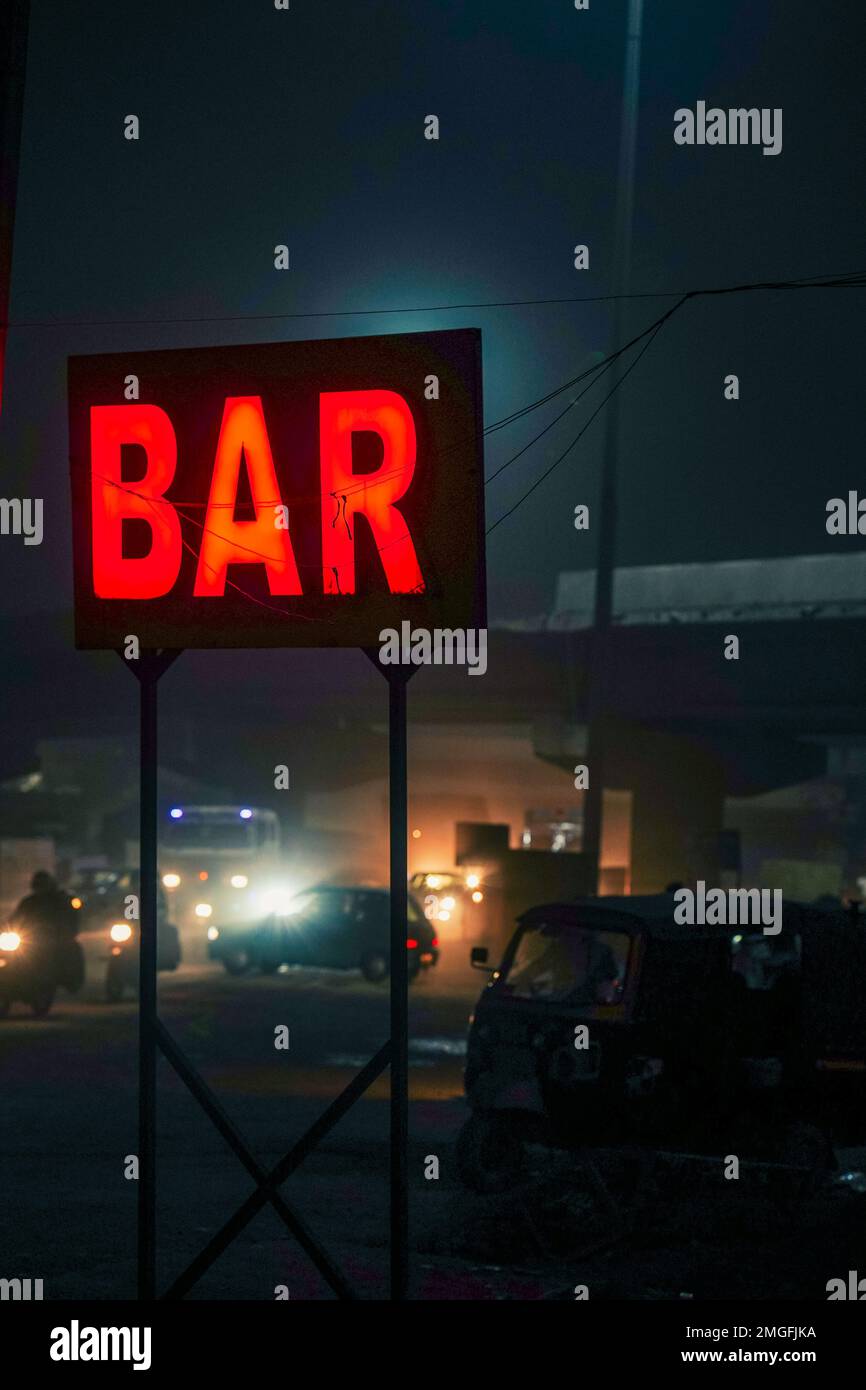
{"x": 278, "y": 494}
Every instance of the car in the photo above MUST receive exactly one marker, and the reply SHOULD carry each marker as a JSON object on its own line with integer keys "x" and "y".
{"x": 451, "y": 897}
{"x": 332, "y": 927}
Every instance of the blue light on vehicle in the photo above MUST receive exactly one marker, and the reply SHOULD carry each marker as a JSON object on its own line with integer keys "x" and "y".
{"x": 246, "y": 814}
{"x": 175, "y": 813}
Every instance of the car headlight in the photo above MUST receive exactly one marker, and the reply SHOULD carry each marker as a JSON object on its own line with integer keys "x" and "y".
{"x": 448, "y": 904}
{"x": 203, "y": 910}
{"x": 281, "y": 902}
{"x": 239, "y": 880}
{"x": 9, "y": 941}
{"x": 171, "y": 880}
{"x": 121, "y": 931}
{"x": 213, "y": 933}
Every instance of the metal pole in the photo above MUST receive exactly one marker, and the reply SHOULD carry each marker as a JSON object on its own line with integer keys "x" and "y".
{"x": 596, "y": 698}
{"x": 14, "y": 25}
{"x": 148, "y": 678}
{"x": 399, "y": 812}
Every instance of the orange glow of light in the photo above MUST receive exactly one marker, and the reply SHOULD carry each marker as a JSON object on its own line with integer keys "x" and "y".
{"x": 203, "y": 875}
{"x": 76, "y": 903}
{"x": 373, "y": 495}
{"x": 260, "y": 542}
{"x": 113, "y": 501}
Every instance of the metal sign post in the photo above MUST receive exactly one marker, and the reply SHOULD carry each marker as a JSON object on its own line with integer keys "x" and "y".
{"x": 398, "y": 678}
{"x": 398, "y": 806}
{"x": 148, "y": 668}
{"x": 311, "y": 494}
{"x": 153, "y": 1036}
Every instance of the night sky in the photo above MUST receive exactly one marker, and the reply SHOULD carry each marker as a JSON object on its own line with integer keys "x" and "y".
{"x": 260, "y": 127}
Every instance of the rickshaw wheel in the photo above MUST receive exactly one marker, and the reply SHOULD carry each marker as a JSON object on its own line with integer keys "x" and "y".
{"x": 490, "y": 1157}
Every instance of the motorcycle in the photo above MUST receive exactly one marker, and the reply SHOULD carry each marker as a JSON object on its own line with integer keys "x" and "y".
{"x": 32, "y": 968}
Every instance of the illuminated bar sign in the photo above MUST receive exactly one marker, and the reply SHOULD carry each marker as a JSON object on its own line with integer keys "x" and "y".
{"x": 278, "y": 494}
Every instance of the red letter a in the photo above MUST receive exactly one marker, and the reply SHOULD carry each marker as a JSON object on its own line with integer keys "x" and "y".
{"x": 260, "y": 542}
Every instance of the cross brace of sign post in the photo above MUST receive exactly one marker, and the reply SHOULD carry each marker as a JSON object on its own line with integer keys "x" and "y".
{"x": 153, "y": 1036}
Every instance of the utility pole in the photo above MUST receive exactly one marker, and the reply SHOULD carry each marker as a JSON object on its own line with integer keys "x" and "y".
{"x": 14, "y": 23}
{"x": 599, "y": 645}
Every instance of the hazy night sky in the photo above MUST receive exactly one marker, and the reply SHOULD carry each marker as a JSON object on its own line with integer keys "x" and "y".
{"x": 260, "y": 127}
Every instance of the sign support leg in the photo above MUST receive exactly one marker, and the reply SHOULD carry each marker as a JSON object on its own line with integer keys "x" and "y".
{"x": 147, "y": 986}
{"x": 399, "y": 812}
{"x": 148, "y": 668}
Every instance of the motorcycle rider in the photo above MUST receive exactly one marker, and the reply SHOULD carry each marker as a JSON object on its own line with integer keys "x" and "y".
{"x": 50, "y": 921}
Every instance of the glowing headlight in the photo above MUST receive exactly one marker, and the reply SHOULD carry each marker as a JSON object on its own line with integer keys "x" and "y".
{"x": 472, "y": 880}
{"x": 9, "y": 941}
{"x": 203, "y": 910}
{"x": 478, "y": 896}
{"x": 76, "y": 903}
{"x": 448, "y": 904}
{"x": 443, "y": 917}
{"x": 434, "y": 881}
{"x": 239, "y": 880}
{"x": 281, "y": 902}
{"x": 121, "y": 931}
{"x": 213, "y": 933}
{"x": 171, "y": 880}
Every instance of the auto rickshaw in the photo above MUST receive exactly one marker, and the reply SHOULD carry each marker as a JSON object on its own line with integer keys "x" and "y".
{"x": 607, "y": 1023}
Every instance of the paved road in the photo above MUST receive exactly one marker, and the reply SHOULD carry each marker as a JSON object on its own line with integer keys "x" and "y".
{"x": 68, "y": 1124}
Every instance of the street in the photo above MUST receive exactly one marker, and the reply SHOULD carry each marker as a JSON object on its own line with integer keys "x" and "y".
{"x": 68, "y": 1213}
{"x": 69, "y": 1121}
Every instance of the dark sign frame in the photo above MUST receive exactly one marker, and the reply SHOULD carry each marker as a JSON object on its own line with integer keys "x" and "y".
{"x": 443, "y": 506}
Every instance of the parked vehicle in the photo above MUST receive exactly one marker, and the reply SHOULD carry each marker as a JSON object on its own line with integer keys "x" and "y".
{"x": 607, "y": 1022}
{"x": 338, "y": 928}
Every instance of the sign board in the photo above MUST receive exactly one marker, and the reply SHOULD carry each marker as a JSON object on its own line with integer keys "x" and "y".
{"x": 303, "y": 494}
